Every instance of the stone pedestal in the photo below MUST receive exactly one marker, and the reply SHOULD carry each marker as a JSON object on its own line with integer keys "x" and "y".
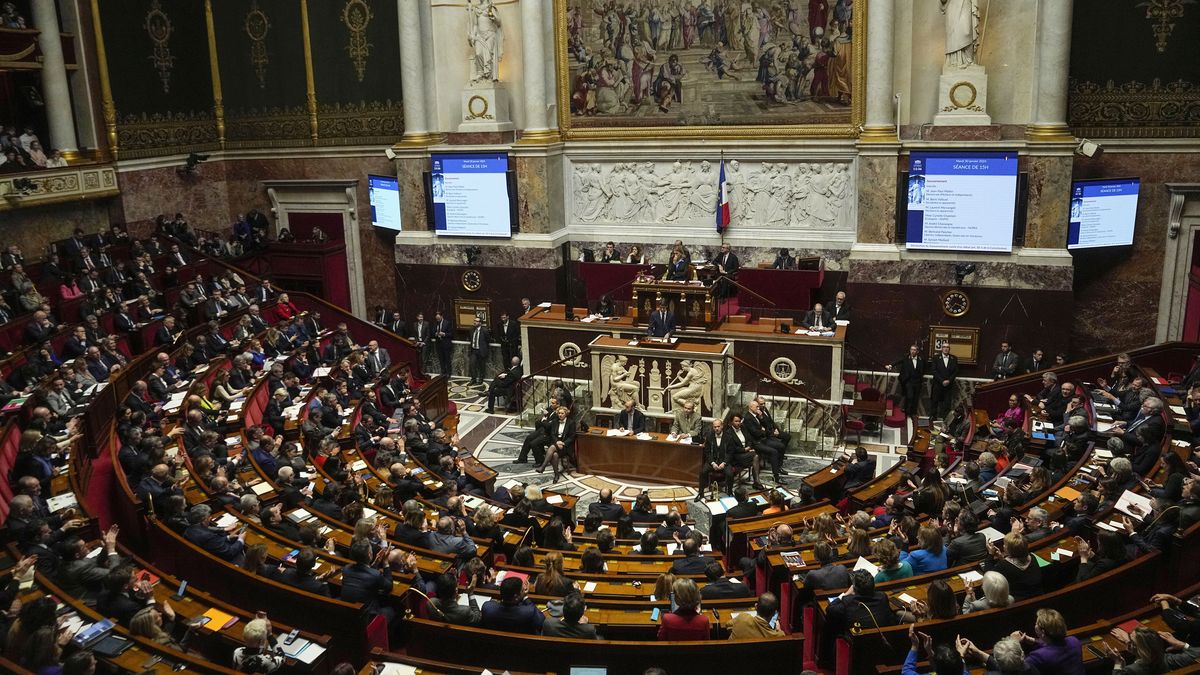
{"x": 962, "y": 97}
{"x": 485, "y": 108}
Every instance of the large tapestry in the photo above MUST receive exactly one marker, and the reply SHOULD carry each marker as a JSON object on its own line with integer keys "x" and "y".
{"x": 707, "y": 66}
{"x": 1134, "y": 69}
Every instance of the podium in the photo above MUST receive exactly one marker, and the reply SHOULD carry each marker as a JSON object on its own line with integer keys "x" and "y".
{"x": 690, "y": 301}
{"x": 658, "y": 377}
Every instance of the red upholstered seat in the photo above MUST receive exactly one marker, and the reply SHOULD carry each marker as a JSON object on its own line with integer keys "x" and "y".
{"x": 894, "y": 416}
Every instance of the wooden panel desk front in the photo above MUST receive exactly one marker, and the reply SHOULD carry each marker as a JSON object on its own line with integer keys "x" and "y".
{"x": 655, "y": 460}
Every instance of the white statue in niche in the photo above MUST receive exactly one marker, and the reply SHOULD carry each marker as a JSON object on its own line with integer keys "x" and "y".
{"x": 691, "y": 385}
{"x": 962, "y": 31}
{"x": 485, "y": 39}
{"x": 622, "y": 382}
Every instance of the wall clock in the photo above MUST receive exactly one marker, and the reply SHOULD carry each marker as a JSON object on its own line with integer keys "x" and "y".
{"x": 472, "y": 280}
{"x": 955, "y": 303}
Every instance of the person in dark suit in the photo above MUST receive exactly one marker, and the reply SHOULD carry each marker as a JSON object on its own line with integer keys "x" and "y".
{"x": 1006, "y": 362}
{"x": 941, "y": 391}
{"x": 508, "y": 334}
{"x": 392, "y": 394}
{"x": 721, "y": 587}
{"x": 166, "y": 333}
{"x": 610, "y": 254}
{"x": 445, "y": 605}
{"x": 572, "y": 623}
{"x": 714, "y": 463}
{"x": 1147, "y": 428}
{"x": 1036, "y": 362}
{"x": 740, "y": 453}
{"x": 859, "y": 470}
{"x": 817, "y": 318}
{"x": 692, "y": 561}
{"x": 863, "y": 605}
{"x": 301, "y": 576}
{"x": 631, "y": 418}
{"x": 122, "y": 596}
{"x": 968, "y": 546}
{"x": 769, "y": 447}
{"x": 504, "y": 383}
{"x": 784, "y": 260}
{"x": 839, "y": 309}
{"x": 365, "y": 584}
{"x": 727, "y": 267}
{"x": 513, "y": 612}
{"x": 662, "y": 322}
{"x": 201, "y": 532}
{"x": 606, "y": 508}
{"x": 478, "y": 346}
{"x": 421, "y": 333}
{"x": 911, "y": 371}
{"x": 558, "y": 446}
{"x": 443, "y": 340}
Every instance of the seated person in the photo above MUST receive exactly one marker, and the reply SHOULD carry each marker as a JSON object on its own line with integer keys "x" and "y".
{"x": 514, "y": 612}
{"x": 817, "y": 319}
{"x": 719, "y": 586}
{"x": 573, "y": 624}
{"x": 763, "y": 623}
{"x": 686, "y": 622}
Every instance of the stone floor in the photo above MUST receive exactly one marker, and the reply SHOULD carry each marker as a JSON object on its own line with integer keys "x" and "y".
{"x": 496, "y": 441}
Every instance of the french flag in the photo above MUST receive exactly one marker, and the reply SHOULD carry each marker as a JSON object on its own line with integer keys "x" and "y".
{"x": 722, "y": 201}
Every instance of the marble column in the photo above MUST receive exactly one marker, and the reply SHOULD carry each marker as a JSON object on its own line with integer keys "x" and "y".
{"x": 412, "y": 74}
{"x": 880, "y": 126}
{"x": 533, "y": 72}
{"x": 1053, "y": 59}
{"x": 55, "y": 88}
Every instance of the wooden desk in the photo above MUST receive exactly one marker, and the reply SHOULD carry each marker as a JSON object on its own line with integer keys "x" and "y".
{"x": 656, "y": 460}
{"x": 690, "y": 301}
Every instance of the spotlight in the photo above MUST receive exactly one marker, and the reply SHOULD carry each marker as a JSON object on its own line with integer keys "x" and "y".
{"x": 1088, "y": 148}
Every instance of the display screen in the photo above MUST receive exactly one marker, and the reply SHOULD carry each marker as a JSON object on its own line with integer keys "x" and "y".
{"x": 1102, "y": 212}
{"x": 962, "y": 201}
{"x": 384, "y": 193}
{"x": 469, "y": 195}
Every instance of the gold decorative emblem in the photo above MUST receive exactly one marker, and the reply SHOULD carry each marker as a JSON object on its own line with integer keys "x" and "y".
{"x": 472, "y": 280}
{"x": 955, "y": 303}
{"x": 954, "y": 94}
{"x": 158, "y": 27}
{"x": 256, "y": 26}
{"x": 1163, "y": 13}
{"x": 357, "y": 15}
{"x": 477, "y": 108}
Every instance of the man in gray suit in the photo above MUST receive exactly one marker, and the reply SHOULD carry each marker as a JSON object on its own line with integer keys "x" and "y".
{"x": 444, "y": 540}
{"x": 446, "y": 603}
{"x": 1005, "y": 363}
{"x": 687, "y": 422}
{"x": 378, "y": 360}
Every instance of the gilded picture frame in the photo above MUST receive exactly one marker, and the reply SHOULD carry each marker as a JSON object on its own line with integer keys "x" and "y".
{"x": 679, "y": 121}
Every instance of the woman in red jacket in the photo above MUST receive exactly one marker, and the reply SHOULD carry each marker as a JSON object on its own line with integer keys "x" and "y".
{"x": 686, "y": 622}
{"x": 285, "y": 309}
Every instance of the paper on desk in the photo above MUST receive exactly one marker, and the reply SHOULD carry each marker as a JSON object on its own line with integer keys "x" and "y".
{"x": 1062, "y": 552}
{"x": 544, "y": 305}
{"x": 237, "y": 405}
{"x": 1101, "y": 453}
{"x": 991, "y": 534}
{"x": 661, "y": 509}
{"x": 618, "y": 432}
{"x": 589, "y": 587}
{"x": 1178, "y": 410}
{"x": 1103, "y": 426}
{"x": 644, "y": 436}
{"x": 261, "y": 488}
{"x": 554, "y": 499}
{"x": 671, "y": 548}
{"x": 1133, "y": 499}
{"x": 1105, "y": 526}
{"x": 60, "y": 502}
{"x": 715, "y": 508}
{"x": 972, "y": 576}
{"x": 359, "y": 465}
{"x": 226, "y": 521}
{"x": 864, "y": 564}
{"x": 233, "y": 440}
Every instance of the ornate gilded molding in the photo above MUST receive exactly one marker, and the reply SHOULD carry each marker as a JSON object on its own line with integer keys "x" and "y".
{"x": 106, "y": 98}
{"x": 145, "y": 135}
{"x": 273, "y": 127}
{"x": 214, "y": 68}
{"x": 309, "y": 81}
{"x": 158, "y": 28}
{"x": 60, "y": 185}
{"x": 1135, "y": 109}
{"x": 363, "y": 122}
{"x": 356, "y": 15}
{"x": 1162, "y": 15}
{"x": 257, "y": 25}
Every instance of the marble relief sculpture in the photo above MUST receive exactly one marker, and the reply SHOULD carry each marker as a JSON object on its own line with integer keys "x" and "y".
{"x": 485, "y": 39}
{"x": 769, "y": 194}
{"x": 619, "y": 380}
{"x": 691, "y": 385}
